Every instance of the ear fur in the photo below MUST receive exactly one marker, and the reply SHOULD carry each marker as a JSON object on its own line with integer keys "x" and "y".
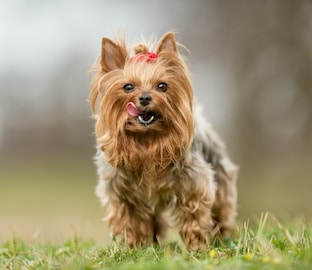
{"x": 113, "y": 55}
{"x": 167, "y": 43}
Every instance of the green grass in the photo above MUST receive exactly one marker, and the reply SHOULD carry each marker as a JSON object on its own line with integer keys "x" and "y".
{"x": 266, "y": 245}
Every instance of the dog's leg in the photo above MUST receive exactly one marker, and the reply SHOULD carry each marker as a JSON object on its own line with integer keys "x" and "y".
{"x": 196, "y": 227}
{"x": 224, "y": 208}
{"x": 209, "y": 144}
{"x": 132, "y": 224}
{"x": 195, "y": 197}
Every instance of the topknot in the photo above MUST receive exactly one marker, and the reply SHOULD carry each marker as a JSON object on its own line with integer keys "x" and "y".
{"x": 140, "y": 49}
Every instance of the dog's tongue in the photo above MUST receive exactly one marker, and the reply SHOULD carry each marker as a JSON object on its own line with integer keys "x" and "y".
{"x": 132, "y": 109}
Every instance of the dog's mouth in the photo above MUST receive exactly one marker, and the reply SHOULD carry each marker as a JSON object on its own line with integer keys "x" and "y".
{"x": 145, "y": 118}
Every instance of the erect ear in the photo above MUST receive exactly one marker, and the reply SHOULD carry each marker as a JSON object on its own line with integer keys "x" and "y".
{"x": 167, "y": 43}
{"x": 113, "y": 56}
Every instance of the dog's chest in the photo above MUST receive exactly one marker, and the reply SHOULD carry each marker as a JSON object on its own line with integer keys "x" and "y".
{"x": 153, "y": 186}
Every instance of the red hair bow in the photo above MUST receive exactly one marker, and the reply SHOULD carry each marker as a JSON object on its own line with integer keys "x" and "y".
{"x": 148, "y": 57}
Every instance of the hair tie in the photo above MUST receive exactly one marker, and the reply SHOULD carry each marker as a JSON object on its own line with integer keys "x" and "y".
{"x": 148, "y": 57}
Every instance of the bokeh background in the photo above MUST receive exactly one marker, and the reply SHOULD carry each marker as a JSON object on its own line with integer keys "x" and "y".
{"x": 252, "y": 71}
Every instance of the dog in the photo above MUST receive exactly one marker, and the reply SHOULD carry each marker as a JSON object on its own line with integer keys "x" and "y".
{"x": 155, "y": 150}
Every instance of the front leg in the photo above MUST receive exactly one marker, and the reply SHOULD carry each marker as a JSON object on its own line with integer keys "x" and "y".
{"x": 195, "y": 230}
{"x": 131, "y": 224}
{"x": 130, "y": 219}
{"x": 194, "y": 202}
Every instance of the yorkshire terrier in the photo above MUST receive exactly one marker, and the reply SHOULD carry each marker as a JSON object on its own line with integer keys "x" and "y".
{"x": 155, "y": 150}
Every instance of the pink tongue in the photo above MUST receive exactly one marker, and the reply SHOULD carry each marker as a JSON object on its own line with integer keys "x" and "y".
{"x": 132, "y": 109}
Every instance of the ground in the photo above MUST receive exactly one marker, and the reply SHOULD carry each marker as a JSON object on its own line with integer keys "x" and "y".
{"x": 265, "y": 245}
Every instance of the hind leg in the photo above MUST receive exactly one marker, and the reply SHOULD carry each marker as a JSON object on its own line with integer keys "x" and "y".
{"x": 224, "y": 208}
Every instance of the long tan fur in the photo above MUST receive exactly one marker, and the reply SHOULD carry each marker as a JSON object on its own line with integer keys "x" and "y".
{"x": 178, "y": 162}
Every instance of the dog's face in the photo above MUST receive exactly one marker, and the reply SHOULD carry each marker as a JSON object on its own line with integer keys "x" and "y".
{"x": 146, "y": 95}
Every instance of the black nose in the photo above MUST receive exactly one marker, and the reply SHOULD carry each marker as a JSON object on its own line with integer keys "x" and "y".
{"x": 145, "y": 99}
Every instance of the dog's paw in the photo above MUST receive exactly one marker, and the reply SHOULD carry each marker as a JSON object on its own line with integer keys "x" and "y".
{"x": 193, "y": 235}
{"x": 137, "y": 235}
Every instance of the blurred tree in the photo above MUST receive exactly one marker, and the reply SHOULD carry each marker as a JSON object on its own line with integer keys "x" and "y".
{"x": 262, "y": 49}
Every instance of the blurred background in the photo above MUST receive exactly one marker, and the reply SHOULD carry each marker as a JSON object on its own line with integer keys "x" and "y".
{"x": 251, "y": 63}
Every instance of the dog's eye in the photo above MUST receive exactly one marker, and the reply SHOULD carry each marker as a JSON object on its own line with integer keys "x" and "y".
{"x": 128, "y": 87}
{"x": 162, "y": 87}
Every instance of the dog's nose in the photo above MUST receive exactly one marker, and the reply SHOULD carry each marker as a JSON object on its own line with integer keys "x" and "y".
{"x": 145, "y": 99}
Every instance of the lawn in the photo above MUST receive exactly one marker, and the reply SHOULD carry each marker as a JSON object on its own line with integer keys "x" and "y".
{"x": 51, "y": 219}
{"x": 267, "y": 244}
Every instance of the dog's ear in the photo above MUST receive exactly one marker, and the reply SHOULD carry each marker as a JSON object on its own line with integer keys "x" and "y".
{"x": 113, "y": 55}
{"x": 167, "y": 43}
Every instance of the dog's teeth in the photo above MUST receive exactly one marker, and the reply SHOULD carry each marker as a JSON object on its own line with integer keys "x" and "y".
{"x": 145, "y": 121}
{"x": 152, "y": 118}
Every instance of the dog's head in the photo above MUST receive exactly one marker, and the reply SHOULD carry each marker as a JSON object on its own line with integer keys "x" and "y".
{"x": 146, "y": 97}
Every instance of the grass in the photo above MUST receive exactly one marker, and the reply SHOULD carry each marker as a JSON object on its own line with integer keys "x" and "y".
{"x": 267, "y": 245}
{"x": 44, "y": 202}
